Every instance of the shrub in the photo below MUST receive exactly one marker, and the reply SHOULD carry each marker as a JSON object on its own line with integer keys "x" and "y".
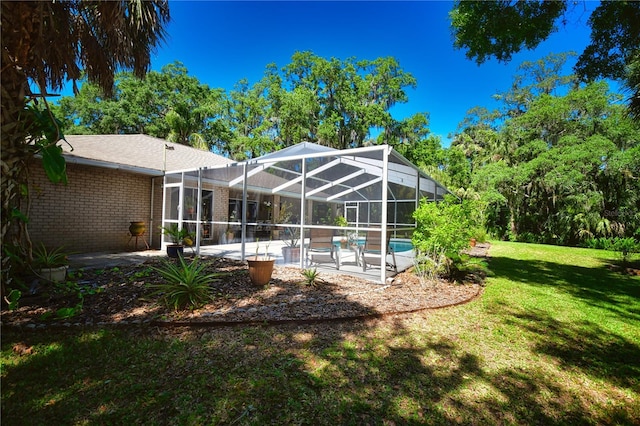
{"x": 429, "y": 266}
{"x": 186, "y": 285}
{"x": 626, "y": 247}
{"x": 444, "y": 227}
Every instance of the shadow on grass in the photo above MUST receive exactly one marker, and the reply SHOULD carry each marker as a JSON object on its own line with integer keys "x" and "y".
{"x": 599, "y": 287}
{"x": 350, "y": 373}
{"x": 346, "y": 373}
{"x": 581, "y": 346}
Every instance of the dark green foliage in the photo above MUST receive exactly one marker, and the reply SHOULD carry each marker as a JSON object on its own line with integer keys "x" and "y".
{"x": 626, "y": 247}
{"x": 186, "y": 284}
{"x": 333, "y": 102}
{"x": 555, "y": 168}
{"x": 500, "y": 29}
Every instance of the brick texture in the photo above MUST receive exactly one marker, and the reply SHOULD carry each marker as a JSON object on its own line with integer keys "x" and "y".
{"x": 93, "y": 212}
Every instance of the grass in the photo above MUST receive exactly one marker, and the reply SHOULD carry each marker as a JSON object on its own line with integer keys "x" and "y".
{"x": 555, "y": 339}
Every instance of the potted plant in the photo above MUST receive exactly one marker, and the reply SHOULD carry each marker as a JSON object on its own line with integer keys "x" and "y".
{"x": 189, "y": 205}
{"x": 342, "y": 221}
{"x": 179, "y": 238}
{"x": 51, "y": 265}
{"x": 291, "y": 236}
{"x": 261, "y": 267}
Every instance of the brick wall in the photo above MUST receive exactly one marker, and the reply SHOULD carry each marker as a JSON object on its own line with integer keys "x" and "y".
{"x": 91, "y": 213}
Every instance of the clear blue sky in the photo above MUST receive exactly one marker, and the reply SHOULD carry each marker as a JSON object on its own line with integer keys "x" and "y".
{"x": 223, "y": 42}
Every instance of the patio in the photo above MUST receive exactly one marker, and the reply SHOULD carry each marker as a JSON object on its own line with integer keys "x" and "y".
{"x": 404, "y": 260}
{"x": 361, "y": 194}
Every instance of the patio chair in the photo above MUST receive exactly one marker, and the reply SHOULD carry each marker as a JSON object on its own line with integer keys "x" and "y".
{"x": 370, "y": 253}
{"x": 321, "y": 246}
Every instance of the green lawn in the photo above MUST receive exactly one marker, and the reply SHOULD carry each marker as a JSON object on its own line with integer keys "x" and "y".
{"x": 555, "y": 339}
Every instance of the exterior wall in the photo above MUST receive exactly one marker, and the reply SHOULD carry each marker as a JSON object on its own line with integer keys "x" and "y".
{"x": 91, "y": 213}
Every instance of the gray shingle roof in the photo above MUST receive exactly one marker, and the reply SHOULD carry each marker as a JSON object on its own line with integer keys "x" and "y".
{"x": 136, "y": 152}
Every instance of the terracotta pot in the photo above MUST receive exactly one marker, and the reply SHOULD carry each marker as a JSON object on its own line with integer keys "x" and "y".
{"x": 260, "y": 270}
{"x": 137, "y": 229}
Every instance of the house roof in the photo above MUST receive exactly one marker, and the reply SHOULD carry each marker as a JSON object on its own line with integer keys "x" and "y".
{"x": 137, "y": 153}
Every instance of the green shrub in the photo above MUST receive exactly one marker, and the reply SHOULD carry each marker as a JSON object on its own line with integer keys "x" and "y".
{"x": 464, "y": 267}
{"x": 625, "y": 247}
{"x": 186, "y": 285}
{"x": 446, "y": 226}
{"x": 480, "y": 234}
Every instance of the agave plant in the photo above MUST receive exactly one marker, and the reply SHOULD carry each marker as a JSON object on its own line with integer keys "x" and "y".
{"x": 311, "y": 277}
{"x": 186, "y": 284}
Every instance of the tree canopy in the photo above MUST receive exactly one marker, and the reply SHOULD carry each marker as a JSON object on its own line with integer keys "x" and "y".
{"x": 559, "y": 167}
{"x": 500, "y": 28}
{"x": 328, "y": 101}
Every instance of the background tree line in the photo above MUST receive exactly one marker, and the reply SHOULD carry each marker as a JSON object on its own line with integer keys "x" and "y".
{"x": 557, "y": 163}
{"x": 328, "y": 101}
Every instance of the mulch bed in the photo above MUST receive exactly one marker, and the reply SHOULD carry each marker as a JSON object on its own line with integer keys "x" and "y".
{"x": 121, "y": 296}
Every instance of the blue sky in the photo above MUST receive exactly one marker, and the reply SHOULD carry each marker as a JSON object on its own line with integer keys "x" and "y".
{"x": 223, "y": 42}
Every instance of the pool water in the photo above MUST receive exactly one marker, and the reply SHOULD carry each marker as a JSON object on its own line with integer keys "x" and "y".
{"x": 400, "y": 245}
{"x": 397, "y": 245}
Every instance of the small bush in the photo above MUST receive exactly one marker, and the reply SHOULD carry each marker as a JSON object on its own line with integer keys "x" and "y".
{"x": 597, "y": 243}
{"x": 186, "y": 285}
{"x": 480, "y": 234}
{"x": 625, "y": 247}
{"x": 445, "y": 226}
{"x": 429, "y": 266}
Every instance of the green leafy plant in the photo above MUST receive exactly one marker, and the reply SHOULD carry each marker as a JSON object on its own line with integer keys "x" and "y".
{"x": 13, "y": 298}
{"x": 291, "y": 233}
{"x": 45, "y": 258}
{"x": 311, "y": 277}
{"x": 178, "y": 236}
{"x": 446, "y": 226}
{"x": 625, "y": 247}
{"x": 186, "y": 284}
{"x": 429, "y": 266}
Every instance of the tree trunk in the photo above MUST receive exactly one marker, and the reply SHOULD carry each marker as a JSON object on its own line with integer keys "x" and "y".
{"x": 15, "y": 154}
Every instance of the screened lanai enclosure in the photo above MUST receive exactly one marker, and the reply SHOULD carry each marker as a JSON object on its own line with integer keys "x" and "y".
{"x": 318, "y": 205}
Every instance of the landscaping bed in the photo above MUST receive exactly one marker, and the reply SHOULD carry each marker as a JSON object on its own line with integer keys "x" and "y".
{"x": 122, "y": 295}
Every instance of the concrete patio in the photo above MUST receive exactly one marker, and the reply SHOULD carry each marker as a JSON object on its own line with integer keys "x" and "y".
{"x": 105, "y": 260}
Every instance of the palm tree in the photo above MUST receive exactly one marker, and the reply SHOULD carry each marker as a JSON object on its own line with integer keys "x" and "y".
{"x": 44, "y": 44}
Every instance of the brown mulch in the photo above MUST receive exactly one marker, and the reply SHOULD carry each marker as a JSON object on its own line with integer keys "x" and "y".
{"x": 122, "y": 296}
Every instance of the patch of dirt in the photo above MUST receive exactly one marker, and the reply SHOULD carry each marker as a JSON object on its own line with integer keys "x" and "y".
{"x": 122, "y": 296}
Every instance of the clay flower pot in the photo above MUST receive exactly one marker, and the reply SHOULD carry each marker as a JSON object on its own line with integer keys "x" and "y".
{"x": 260, "y": 270}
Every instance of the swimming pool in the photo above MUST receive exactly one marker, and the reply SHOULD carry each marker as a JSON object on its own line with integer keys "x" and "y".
{"x": 398, "y": 245}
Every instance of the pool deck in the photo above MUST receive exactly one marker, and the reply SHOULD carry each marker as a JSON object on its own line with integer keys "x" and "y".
{"x": 349, "y": 266}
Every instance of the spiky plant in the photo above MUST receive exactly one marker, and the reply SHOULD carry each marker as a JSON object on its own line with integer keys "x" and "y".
{"x": 311, "y": 277}
{"x": 186, "y": 285}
